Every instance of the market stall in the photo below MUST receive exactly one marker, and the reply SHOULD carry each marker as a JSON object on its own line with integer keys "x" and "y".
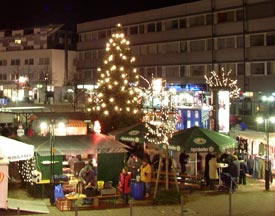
{"x": 10, "y": 150}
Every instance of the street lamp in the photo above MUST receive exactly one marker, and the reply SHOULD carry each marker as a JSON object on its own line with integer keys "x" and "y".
{"x": 267, "y": 119}
{"x": 51, "y": 127}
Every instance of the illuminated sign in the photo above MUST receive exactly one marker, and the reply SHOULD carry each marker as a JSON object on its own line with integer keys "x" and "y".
{"x": 223, "y": 111}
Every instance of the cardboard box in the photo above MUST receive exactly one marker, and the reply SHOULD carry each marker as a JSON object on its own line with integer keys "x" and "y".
{"x": 63, "y": 204}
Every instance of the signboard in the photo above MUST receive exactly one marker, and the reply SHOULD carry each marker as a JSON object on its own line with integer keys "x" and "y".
{"x": 223, "y": 111}
{"x": 4, "y": 184}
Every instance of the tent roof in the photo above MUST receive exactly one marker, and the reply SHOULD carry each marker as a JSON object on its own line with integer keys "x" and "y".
{"x": 196, "y": 139}
{"x": 14, "y": 150}
{"x": 81, "y": 144}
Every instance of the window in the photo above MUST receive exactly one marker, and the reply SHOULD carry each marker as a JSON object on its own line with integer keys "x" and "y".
{"x": 159, "y": 27}
{"x": 152, "y": 49}
{"x": 159, "y": 72}
{"x": 151, "y": 71}
{"x": 162, "y": 48}
{"x": 3, "y": 76}
{"x": 151, "y": 27}
{"x": 182, "y": 71}
{"x": 196, "y": 21}
{"x": 171, "y": 24}
{"x": 240, "y": 69}
{"x": 240, "y": 41}
{"x": 88, "y": 55}
{"x": 135, "y": 50}
{"x": 223, "y": 17}
{"x": 143, "y": 50}
{"x": 133, "y": 30}
{"x": 270, "y": 39}
{"x": 257, "y": 40}
{"x": 209, "y": 19}
{"x": 239, "y": 16}
{"x": 198, "y": 45}
{"x": 101, "y": 34}
{"x": 44, "y": 61}
{"x": 172, "y": 71}
{"x": 15, "y": 62}
{"x": 225, "y": 43}
{"x": 28, "y": 61}
{"x": 197, "y": 70}
{"x": 209, "y": 44}
{"x": 3, "y": 62}
{"x": 271, "y": 68}
{"x": 172, "y": 47}
{"x": 141, "y": 29}
{"x": 182, "y": 23}
{"x": 183, "y": 46}
{"x": 257, "y": 68}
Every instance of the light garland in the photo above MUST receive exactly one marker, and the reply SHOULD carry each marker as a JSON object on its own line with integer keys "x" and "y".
{"x": 25, "y": 170}
{"x": 117, "y": 84}
{"x": 223, "y": 81}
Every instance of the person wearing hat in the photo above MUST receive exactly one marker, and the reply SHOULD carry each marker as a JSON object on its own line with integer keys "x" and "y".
{"x": 146, "y": 175}
{"x": 234, "y": 171}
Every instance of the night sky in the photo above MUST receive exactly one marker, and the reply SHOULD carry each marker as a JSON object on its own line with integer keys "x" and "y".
{"x": 29, "y": 13}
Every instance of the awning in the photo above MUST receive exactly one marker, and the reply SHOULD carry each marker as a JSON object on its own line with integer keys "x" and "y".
{"x": 78, "y": 144}
{"x": 14, "y": 150}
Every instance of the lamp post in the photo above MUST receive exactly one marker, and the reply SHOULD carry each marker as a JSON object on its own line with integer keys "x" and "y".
{"x": 51, "y": 129}
{"x": 267, "y": 119}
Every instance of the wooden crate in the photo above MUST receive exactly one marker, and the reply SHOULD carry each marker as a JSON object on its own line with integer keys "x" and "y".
{"x": 63, "y": 204}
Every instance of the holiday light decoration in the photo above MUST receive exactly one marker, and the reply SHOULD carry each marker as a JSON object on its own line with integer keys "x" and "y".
{"x": 26, "y": 168}
{"x": 116, "y": 96}
{"x": 223, "y": 80}
{"x": 159, "y": 123}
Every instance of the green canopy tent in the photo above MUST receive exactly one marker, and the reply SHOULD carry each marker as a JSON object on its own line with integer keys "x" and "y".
{"x": 196, "y": 139}
{"x": 134, "y": 133}
{"x": 110, "y": 152}
{"x": 202, "y": 140}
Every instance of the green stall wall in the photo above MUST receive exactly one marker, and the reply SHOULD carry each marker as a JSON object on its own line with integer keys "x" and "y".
{"x": 45, "y": 169}
{"x": 109, "y": 167}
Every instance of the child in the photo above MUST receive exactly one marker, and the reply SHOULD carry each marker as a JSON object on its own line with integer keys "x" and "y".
{"x": 124, "y": 184}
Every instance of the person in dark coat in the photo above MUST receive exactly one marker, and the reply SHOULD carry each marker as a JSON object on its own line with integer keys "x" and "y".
{"x": 234, "y": 171}
{"x": 243, "y": 171}
{"x": 206, "y": 170}
{"x": 183, "y": 161}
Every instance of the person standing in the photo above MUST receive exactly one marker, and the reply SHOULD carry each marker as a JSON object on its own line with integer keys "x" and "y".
{"x": 124, "y": 185}
{"x": 234, "y": 171}
{"x": 243, "y": 171}
{"x": 88, "y": 179}
{"x": 206, "y": 169}
{"x": 146, "y": 176}
{"x": 183, "y": 161}
{"x": 213, "y": 172}
{"x": 133, "y": 164}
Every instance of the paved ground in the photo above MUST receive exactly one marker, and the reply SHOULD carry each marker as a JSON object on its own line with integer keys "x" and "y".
{"x": 250, "y": 199}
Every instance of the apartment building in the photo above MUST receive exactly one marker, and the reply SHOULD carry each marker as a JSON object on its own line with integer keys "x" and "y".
{"x": 36, "y": 63}
{"x": 184, "y": 42}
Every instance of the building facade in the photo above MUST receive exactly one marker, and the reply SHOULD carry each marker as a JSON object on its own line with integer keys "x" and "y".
{"x": 36, "y": 63}
{"x": 183, "y": 43}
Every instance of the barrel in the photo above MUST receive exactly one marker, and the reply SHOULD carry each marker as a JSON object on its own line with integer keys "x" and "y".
{"x": 137, "y": 190}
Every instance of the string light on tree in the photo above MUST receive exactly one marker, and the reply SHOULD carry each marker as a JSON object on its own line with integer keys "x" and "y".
{"x": 117, "y": 93}
{"x": 223, "y": 80}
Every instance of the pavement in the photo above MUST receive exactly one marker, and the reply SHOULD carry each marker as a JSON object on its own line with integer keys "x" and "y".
{"x": 251, "y": 199}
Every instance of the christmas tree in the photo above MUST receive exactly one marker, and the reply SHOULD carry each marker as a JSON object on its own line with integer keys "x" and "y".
{"x": 116, "y": 103}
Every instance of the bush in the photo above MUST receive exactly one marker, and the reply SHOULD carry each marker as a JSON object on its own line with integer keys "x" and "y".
{"x": 167, "y": 197}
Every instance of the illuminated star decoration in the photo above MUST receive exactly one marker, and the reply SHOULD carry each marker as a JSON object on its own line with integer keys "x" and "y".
{"x": 224, "y": 81}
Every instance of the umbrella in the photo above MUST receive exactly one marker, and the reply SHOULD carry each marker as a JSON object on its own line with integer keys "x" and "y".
{"x": 78, "y": 144}
{"x": 196, "y": 139}
{"x": 14, "y": 150}
{"x": 134, "y": 133}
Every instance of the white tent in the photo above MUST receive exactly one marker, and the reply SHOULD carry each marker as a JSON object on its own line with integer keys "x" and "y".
{"x": 14, "y": 150}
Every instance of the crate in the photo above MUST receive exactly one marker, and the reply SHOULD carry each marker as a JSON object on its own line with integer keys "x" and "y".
{"x": 63, "y": 204}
